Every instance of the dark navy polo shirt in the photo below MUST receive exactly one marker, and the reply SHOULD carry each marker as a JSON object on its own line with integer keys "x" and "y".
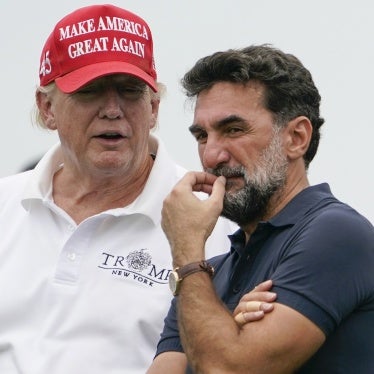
{"x": 319, "y": 253}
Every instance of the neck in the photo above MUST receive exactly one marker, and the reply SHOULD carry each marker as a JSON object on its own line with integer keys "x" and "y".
{"x": 278, "y": 201}
{"x": 93, "y": 194}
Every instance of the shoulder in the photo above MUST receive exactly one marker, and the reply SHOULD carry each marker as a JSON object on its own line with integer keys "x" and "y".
{"x": 340, "y": 223}
{"x": 13, "y": 184}
{"x": 332, "y": 242}
{"x": 12, "y": 191}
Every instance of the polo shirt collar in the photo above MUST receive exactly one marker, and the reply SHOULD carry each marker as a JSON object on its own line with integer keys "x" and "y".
{"x": 301, "y": 204}
{"x": 39, "y": 185}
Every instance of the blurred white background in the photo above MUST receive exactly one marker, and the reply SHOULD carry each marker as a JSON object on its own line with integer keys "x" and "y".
{"x": 334, "y": 39}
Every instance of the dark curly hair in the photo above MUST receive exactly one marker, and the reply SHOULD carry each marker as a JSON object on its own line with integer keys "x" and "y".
{"x": 289, "y": 87}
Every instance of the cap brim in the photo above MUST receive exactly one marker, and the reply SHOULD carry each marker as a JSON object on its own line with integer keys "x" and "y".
{"x": 76, "y": 79}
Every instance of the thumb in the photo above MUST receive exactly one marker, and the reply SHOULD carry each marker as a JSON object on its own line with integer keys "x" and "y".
{"x": 218, "y": 190}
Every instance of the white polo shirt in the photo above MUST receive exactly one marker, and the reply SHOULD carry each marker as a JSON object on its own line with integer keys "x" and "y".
{"x": 88, "y": 298}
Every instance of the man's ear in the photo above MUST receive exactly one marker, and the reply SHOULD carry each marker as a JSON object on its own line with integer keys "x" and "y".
{"x": 44, "y": 103}
{"x": 155, "y": 103}
{"x": 298, "y": 134}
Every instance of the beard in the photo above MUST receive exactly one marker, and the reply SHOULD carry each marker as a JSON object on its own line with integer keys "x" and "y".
{"x": 251, "y": 202}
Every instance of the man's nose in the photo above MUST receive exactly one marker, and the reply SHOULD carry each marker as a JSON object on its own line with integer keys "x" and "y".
{"x": 112, "y": 105}
{"x": 213, "y": 154}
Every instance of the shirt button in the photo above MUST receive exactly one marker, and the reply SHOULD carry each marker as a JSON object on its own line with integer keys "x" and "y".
{"x": 71, "y": 256}
{"x": 236, "y": 288}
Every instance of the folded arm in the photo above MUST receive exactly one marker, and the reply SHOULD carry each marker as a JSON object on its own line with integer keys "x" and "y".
{"x": 279, "y": 343}
{"x": 252, "y": 307}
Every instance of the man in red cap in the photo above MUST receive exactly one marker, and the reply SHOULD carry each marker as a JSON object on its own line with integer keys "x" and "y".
{"x": 84, "y": 259}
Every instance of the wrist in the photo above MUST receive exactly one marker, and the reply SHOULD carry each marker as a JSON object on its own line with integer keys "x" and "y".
{"x": 179, "y": 273}
{"x": 187, "y": 253}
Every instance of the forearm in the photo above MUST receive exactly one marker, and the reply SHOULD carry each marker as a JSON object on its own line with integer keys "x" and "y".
{"x": 214, "y": 343}
{"x": 207, "y": 328}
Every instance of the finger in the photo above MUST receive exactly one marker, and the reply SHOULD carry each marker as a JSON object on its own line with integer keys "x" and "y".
{"x": 266, "y": 307}
{"x": 263, "y": 296}
{"x": 206, "y": 178}
{"x": 197, "y": 180}
{"x": 264, "y": 286}
{"x": 252, "y": 306}
{"x": 255, "y": 306}
{"x": 243, "y": 318}
{"x": 191, "y": 181}
{"x": 239, "y": 319}
{"x": 218, "y": 190}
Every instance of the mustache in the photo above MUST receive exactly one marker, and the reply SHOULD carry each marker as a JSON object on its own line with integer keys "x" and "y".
{"x": 228, "y": 172}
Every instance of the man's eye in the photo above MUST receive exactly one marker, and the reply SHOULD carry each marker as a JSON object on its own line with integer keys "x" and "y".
{"x": 200, "y": 136}
{"x": 131, "y": 91}
{"x": 89, "y": 90}
{"x": 123, "y": 90}
{"x": 234, "y": 129}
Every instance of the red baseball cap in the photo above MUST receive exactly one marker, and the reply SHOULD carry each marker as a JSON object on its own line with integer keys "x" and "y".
{"x": 95, "y": 41}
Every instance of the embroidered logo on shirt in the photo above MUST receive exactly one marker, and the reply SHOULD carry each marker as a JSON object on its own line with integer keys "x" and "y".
{"x": 137, "y": 266}
{"x": 139, "y": 260}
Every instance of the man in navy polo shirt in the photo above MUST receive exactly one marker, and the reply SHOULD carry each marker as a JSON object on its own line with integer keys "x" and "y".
{"x": 257, "y": 124}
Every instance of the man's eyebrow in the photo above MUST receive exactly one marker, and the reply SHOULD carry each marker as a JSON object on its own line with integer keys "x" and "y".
{"x": 195, "y": 129}
{"x": 233, "y": 118}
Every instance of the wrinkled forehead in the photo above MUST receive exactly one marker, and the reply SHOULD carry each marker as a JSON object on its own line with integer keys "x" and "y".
{"x": 229, "y": 98}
